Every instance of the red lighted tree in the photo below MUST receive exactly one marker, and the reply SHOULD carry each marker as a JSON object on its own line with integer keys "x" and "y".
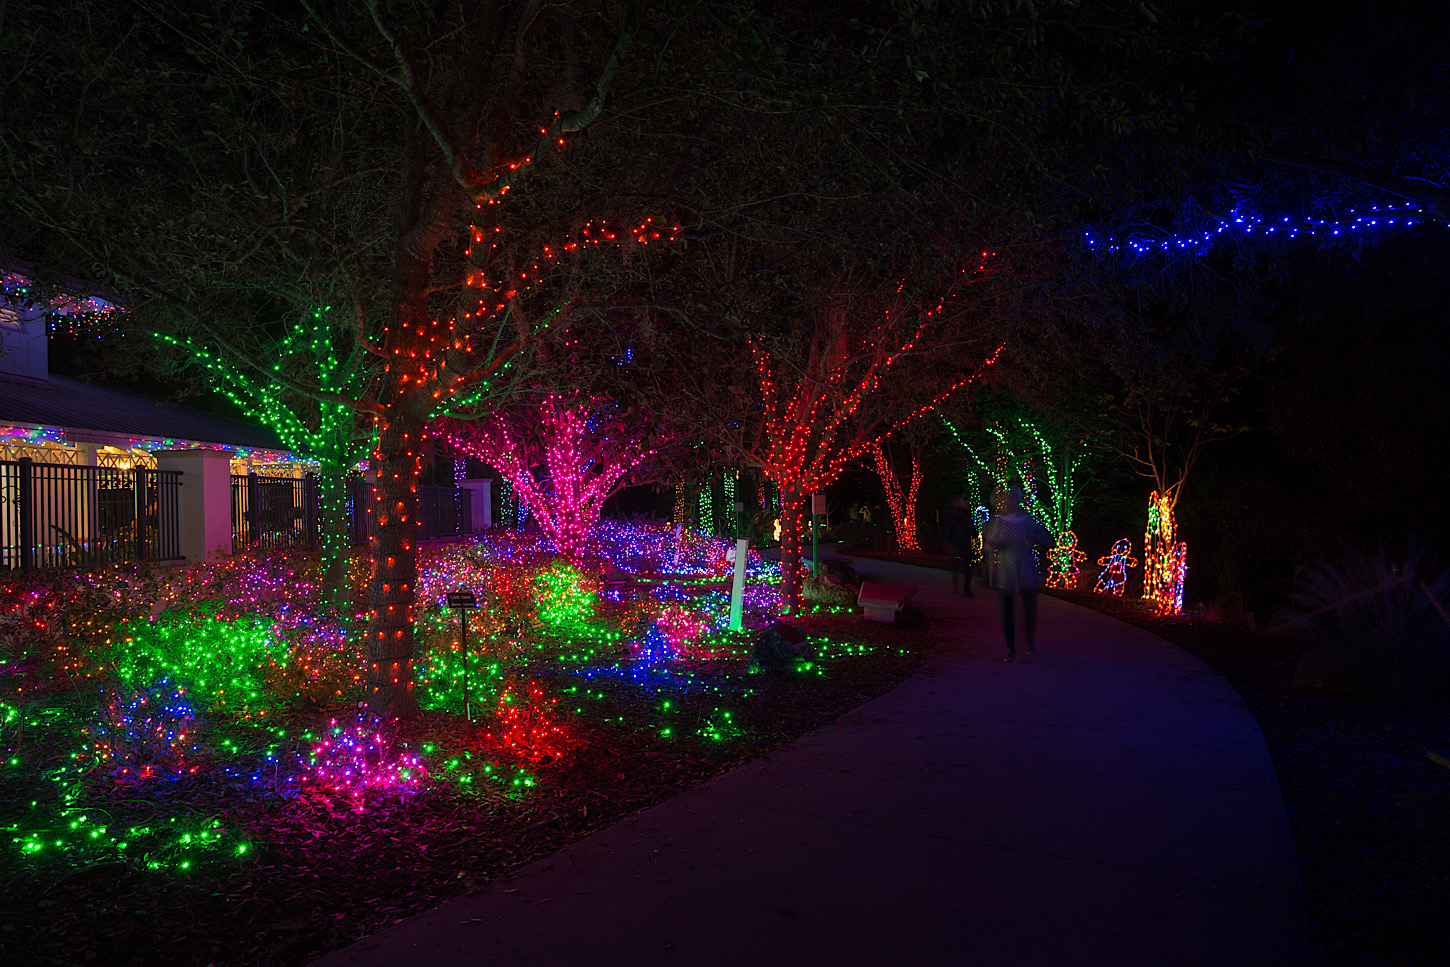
{"x": 829, "y": 399}
{"x": 563, "y": 455}
{"x": 480, "y": 110}
{"x": 901, "y": 502}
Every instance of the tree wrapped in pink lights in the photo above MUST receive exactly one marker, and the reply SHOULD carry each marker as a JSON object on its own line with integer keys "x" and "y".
{"x": 564, "y": 456}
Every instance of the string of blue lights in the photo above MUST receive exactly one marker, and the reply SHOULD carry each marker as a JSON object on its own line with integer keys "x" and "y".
{"x": 1139, "y": 243}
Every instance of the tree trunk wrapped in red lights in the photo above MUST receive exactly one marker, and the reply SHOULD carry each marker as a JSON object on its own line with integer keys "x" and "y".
{"x": 459, "y": 313}
{"x": 564, "y": 457}
{"x": 903, "y": 505}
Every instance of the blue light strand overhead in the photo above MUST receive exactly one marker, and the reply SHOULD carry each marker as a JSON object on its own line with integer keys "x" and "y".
{"x": 1201, "y": 242}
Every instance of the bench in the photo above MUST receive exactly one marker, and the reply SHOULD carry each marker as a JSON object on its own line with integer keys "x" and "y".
{"x": 881, "y": 601}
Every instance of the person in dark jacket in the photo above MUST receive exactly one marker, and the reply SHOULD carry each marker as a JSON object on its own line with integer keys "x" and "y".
{"x": 959, "y": 535}
{"x": 1012, "y": 535}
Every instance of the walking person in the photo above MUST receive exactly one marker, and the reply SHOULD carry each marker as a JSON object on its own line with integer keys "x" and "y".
{"x": 1012, "y": 534}
{"x": 959, "y": 534}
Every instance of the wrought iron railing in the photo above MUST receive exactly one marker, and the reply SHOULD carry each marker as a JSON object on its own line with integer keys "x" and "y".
{"x": 273, "y": 512}
{"x": 58, "y": 515}
{"x": 444, "y": 512}
{"x": 276, "y": 512}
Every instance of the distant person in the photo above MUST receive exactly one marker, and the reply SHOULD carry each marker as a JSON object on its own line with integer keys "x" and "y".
{"x": 1013, "y": 534}
{"x": 959, "y": 534}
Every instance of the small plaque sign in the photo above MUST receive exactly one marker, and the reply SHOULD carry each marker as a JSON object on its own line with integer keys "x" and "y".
{"x": 462, "y": 599}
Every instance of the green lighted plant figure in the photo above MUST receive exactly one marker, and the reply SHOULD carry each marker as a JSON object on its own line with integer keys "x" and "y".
{"x": 565, "y": 595}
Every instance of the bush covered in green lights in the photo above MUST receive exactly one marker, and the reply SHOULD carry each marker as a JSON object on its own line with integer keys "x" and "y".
{"x": 222, "y": 662}
{"x": 564, "y": 594}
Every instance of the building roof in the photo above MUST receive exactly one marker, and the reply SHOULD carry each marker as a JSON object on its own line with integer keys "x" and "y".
{"x": 79, "y": 407}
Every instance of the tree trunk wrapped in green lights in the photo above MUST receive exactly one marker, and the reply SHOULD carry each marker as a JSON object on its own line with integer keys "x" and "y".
{"x": 313, "y": 409}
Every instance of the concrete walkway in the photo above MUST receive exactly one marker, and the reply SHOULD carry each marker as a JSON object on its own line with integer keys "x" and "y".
{"x": 1112, "y": 803}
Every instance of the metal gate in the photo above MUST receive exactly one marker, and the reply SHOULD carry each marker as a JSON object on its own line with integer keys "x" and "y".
{"x": 273, "y": 512}
{"x": 58, "y": 515}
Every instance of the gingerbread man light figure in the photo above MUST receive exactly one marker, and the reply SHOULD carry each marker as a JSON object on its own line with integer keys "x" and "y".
{"x": 1062, "y": 562}
{"x": 1114, "y": 575}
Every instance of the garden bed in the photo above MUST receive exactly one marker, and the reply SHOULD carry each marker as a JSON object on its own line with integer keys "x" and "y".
{"x": 1369, "y": 810}
{"x": 285, "y": 827}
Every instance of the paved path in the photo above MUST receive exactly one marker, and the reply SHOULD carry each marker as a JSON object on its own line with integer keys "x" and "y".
{"x": 1112, "y": 803}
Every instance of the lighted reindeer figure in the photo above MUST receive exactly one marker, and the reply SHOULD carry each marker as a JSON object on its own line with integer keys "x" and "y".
{"x": 1063, "y": 559}
{"x": 1113, "y": 577}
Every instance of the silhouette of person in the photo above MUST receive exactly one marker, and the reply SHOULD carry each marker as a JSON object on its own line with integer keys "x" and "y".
{"x": 1013, "y": 534}
{"x": 959, "y": 535}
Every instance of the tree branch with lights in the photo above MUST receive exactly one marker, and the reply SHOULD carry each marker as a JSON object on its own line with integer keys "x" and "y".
{"x": 830, "y": 389}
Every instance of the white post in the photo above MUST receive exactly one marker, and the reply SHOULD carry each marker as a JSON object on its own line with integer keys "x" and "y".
{"x": 737, "y": 590}
{"x": 204, "y": 501}
{"x": 482, "y": 502}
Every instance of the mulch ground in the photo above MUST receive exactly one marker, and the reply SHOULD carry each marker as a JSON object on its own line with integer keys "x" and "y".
{"x": 326, "y": 874}
{"x": 1369, "y": 810}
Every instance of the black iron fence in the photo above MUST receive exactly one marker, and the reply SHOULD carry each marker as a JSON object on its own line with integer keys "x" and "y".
{"x": 57, "y": 515}
{"x": 274, "y": 512}
{"x": 357, "y": 508}
{"x": 444, "y": 511}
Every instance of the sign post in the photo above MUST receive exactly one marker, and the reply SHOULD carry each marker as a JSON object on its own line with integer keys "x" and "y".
{"x": 463, "y": 600}
{"x": 742, "y": 551}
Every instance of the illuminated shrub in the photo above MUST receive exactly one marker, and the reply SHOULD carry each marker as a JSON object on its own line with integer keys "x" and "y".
{"x": 54, "y": 626}
{"x": 324, "y": 663}
{"x": 681, "y": 625}
{"x": 564, "y": 594}
{"x": 145, "y": 733}
{"x": 357, "y": 758}
{"x": 654, "y": 648}
{"x": 447, "y": 678}
{"x": 221, "y": 662}
{"x": 526, "y": 723}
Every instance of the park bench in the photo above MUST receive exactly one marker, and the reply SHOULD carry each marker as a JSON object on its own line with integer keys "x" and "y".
{"x": 881, "y": 601}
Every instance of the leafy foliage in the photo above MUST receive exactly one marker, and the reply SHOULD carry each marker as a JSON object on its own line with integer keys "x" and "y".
{"x": 1383, "y": 620}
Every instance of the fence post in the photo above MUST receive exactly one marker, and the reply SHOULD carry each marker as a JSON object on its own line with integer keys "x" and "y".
{"x": 27, "y": 510}
{"x": 138, "y": 483}
{"x": 479, "y": 504}
{"x": 254, "y": 509}
{"x": 463, "y": 512}
{"x": 310, "y": 496}
{"x": 203, "y": 496}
